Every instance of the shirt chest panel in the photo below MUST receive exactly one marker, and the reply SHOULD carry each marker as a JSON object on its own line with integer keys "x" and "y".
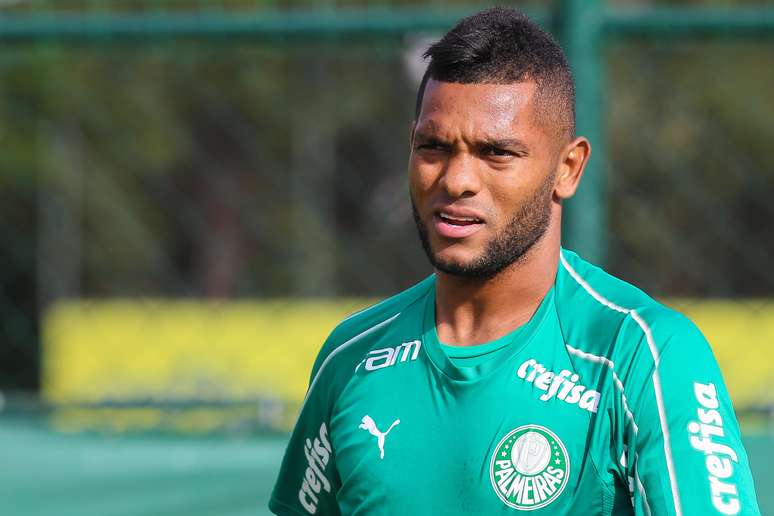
{"x": 407, "y": 429}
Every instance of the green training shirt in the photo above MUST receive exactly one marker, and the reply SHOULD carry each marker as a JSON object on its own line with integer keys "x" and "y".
{"x": 605, "y": 402}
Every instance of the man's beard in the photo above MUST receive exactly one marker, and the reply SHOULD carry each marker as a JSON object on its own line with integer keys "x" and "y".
{"x": 522, "y": 232}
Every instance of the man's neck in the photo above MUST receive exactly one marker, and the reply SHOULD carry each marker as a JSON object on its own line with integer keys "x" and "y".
{"x": 474, "y": 311}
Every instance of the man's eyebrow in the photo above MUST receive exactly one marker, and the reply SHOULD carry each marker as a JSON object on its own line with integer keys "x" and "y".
{"x": 429, "y": 133}
{"x": 427, "y": 126}
{"x": 426, "y": 134}
{"x": 513, "y": 143}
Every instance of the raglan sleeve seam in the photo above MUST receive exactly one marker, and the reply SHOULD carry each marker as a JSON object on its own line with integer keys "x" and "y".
{"x": 631, "y": 391}
{"x": 636, "y": 407}
{"x": 597, "y": 470}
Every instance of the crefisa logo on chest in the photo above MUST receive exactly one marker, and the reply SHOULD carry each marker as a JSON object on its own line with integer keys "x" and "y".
{"x": 529, "y": 468}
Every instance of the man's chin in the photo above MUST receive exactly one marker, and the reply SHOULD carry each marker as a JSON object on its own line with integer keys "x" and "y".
{"x": 456, "y": 266}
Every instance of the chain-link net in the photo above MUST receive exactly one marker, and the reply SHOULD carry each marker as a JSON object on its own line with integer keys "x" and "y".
{"x": 183, "y": 171}
{"x": 691, "y": 174}
{"x": 689, "y": 186}
{"x": 238, "y": 169}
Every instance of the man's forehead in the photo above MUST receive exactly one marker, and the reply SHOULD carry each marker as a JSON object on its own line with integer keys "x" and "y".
{"x": 495, "y": 95}
{"x": 494, "y": 108}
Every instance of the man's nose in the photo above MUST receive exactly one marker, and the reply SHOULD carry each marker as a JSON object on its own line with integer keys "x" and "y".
{"x": 461, "y": 176}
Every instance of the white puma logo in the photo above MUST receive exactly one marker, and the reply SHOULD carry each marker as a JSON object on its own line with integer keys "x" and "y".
{"x": 368, "y": 424}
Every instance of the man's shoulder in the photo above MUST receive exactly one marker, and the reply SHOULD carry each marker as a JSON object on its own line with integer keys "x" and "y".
{"x": 608, "y": 313}
{"x": 592, "y": 288}
{"x": 352, "y": 333}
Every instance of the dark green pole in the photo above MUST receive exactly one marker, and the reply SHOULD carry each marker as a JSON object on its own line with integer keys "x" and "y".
{"x": 580, "y": 28}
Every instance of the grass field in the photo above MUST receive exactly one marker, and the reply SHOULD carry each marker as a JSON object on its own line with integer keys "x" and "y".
{"x": 48, "y": 473}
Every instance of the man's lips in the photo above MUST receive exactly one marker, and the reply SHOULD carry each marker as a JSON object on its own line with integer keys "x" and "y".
{"x": 456, "y": 223}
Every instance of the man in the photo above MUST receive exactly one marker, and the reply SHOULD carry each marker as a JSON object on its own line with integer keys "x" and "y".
{"x": 518, "y": 377}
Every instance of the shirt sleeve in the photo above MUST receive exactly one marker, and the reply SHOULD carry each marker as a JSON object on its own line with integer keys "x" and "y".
{"x": 685, "y": 452}
{"x": 308, "y": 479}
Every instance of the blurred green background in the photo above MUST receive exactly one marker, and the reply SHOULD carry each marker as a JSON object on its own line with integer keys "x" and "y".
{"x": 211, "y": 157}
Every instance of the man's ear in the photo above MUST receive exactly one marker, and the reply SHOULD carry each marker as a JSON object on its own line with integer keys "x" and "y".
{"x": 572, "y": 161}
{"x": 411, "y": 133}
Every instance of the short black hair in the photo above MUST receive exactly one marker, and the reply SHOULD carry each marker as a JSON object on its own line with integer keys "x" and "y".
{"x": 502, "y": 46}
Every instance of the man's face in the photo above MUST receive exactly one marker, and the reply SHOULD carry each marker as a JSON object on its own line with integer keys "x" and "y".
{"x": 481, "y": 176}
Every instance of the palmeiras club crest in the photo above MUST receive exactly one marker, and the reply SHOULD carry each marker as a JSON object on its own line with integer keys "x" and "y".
{"x": 530, "y": 467}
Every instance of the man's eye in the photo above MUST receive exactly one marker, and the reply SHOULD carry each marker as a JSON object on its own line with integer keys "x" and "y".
{"x": 433, "y": 146}
{"x": 496, "y": 151}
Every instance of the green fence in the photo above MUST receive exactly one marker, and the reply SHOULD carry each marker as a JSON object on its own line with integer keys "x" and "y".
{"x": 117, "y": 116}
{"x": 245, "y": 149}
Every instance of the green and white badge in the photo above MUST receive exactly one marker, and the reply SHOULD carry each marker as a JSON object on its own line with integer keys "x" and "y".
{"x": 529, "y": 468}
